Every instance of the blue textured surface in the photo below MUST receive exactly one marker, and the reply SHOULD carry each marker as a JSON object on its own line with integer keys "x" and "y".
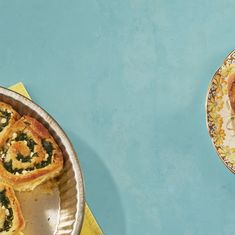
{"x": 127, "y": 80}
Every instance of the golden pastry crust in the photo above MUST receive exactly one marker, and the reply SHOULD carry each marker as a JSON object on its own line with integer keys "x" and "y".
{"x": 8, "y": 116}
{"x": 11, "y": 218}
{"x": 30, "y": 155}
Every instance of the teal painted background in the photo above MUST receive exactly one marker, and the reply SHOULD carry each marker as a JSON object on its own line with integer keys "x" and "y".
{"x": 127, "y": 81}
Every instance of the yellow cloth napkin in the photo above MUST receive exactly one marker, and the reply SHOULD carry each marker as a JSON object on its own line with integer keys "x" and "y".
{"x": 90, "y": 226}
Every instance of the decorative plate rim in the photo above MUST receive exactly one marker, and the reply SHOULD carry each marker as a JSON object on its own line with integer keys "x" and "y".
{"x": 228, "y": 61}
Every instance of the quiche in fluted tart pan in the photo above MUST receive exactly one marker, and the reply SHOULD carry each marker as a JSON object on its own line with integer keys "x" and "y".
{"x": 38, "y": 162}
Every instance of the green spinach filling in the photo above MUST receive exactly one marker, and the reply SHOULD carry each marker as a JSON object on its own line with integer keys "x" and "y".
{"x": 8, "y": 166}
{"x": 20, "y": 157}
{"x": 30, "y": 142}
{"x": 49, "y": 150}
{"x": 9, "y": 218}
{"x": 7, "y": 116}
{"x": 47, "y": 146}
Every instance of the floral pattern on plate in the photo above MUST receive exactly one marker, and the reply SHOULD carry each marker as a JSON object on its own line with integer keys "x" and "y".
{"x": 220, "y": 117}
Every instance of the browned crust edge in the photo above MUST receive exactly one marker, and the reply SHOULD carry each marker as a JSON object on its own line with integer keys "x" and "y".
{"x": 37, "y": 175}
{"x": 18, "y": 220}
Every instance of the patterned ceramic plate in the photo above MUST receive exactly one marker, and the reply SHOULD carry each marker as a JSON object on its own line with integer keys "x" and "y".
{"x": 219, "y": 115}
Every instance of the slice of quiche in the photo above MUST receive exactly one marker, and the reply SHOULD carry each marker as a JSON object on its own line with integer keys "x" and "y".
{"x": 29, "y": 156}
{"x": 11, "y": 218}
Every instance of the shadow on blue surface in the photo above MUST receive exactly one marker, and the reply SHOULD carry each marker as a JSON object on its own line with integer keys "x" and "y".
{"x": 107, "y": 206}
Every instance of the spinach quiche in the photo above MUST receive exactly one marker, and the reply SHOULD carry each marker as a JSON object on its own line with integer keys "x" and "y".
{"x": 8, "y": 116}
{"x": 29, "y": 155}
{"x": 11, "y": 218}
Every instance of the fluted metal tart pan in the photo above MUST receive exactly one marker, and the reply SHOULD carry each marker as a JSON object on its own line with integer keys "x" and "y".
{"x": 59, "y": 209}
